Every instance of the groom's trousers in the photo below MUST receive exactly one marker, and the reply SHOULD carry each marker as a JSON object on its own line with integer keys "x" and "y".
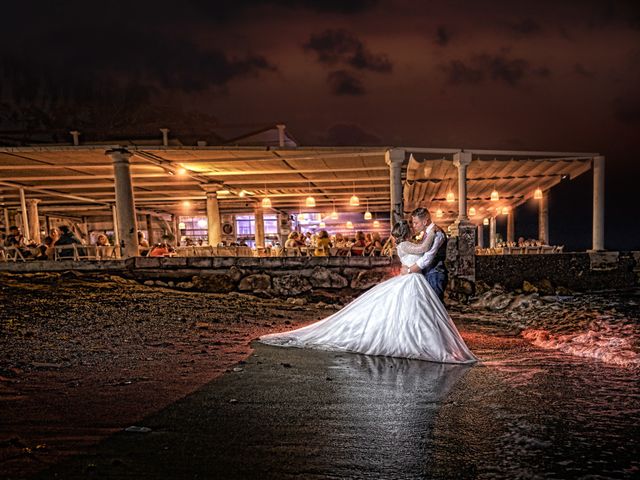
{"x": 438, "y": 281}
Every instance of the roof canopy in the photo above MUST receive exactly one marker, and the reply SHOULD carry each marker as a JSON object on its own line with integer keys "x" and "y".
{"x": 79, "y": 181}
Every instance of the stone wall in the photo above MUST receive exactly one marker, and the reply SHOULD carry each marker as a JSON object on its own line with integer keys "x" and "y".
{"x": 268, "y": 276}
{"x": 575, "y": 271}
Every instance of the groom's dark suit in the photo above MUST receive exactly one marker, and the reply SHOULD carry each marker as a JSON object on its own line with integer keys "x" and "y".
{"x": 434, "y": 269}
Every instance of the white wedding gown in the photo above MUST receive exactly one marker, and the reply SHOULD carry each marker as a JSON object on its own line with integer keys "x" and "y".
{"x": 401, "y": 317}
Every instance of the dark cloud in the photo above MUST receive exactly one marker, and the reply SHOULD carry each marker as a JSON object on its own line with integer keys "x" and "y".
{"x": 344, "y": 83}
{"x": 524, "y": 27}
{"x": 348, "y": 134}
{"x": 443, "y": 36}
{"x": 498, "y": 68}
{"x": 580, "y": 70}
{"x": 458, "y": 73}
{"x": 627, "y": 110}
{"x": 341, "y": 47}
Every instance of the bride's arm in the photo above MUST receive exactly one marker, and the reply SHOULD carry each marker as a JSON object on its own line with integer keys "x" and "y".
{"x": 419, "y": 248}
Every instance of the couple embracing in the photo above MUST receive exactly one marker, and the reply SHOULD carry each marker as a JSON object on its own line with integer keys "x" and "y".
{"x": 401, "y": 317}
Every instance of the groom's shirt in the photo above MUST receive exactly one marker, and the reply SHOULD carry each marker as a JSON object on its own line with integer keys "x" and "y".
{"x": 427, "y": 258}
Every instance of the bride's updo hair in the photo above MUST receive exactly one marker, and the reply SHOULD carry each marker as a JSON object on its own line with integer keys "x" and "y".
{"x": 401, "y": 230}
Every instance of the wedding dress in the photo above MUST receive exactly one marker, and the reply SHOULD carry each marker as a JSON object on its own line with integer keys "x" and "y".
{"x": 401, "y": 317}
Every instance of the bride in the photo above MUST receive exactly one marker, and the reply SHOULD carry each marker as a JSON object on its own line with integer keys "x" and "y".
{"x": 401, "y": 317}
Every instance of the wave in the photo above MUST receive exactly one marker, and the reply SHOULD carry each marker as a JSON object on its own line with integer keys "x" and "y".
{"x": 611, "y": 344}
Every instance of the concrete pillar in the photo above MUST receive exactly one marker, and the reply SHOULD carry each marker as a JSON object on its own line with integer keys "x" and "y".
{"x": 150, "y": 236}
{"x": 116, "y": 237}
{"x": 598, "y": 203}
{"x": 281, "y": 136}
{"x": 394, "y": 158}
{"x": 176, "y": 230}
{"x": 24, "y": 215}
{"x": 461, "y": 160}
{"x": 7, "y": 221}
{"x": 213, "y": 219}
{"x": 165, "y": 137}
{"x": 510, "y": 225}
{"x": 76, "y": 137}
{"x": 259, "y": 227}
{"x": 34, "y": 223}
{"x": 543, "y": 219}
{"x": 126, "y": 213}
{"x": 480, "y": 235}
{"x": 492, "y": 232}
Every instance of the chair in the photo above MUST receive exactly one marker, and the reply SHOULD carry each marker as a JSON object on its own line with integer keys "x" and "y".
{"x": 516, "y": 250}
{"x": 547, "y": 249}
{"x": 558, "y": 248}
{"x": 85, "y": 252}
{"x": 11, "y": 254}
{"x": 531, "y": 250}
{"x": 292, "y": 252}
{"x": 203, "y": 251}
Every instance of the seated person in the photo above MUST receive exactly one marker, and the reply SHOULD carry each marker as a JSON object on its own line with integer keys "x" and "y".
{"x": 322, "y": 244}
{"x": 162, "y": 249}
{"x": 45, "y": 250}
{"x": 143, "y": 244}
{"x": 67, "y": 237}
{"x": 359, "y": 244}
{"x": 292, "y": 240}
{"x": 375, "y": 247}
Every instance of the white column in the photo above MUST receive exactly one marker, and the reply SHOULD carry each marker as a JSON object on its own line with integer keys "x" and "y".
{"x": 7, "y": 221}
{"x": 510, "y": 225}
{"x": 394, "y": 158}
{"x": 126, "y": 214}
{"x": 213, "y": 219}
{"x": 598, "y": 203}
{"x": 165, "y": 137}
{"x": 34, "y": 223}
{"x": 25, "y": 218}
{"x": 480, "y": 235}
{"x": 281, "y": 137}
{"x": 259, "y": 216}
{"x": 461, "y": 160}
{"x": 150, "y": 237}
{"x": 543, "y": 219}
{"x": 492, "y": 232}
{"x": 116, "y": 237}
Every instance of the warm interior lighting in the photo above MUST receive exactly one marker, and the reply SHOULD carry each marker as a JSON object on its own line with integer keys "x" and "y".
{"x": 367, "y": 214}
{"x": 537, "y": 194}
{"x": 451, "y": 197}
{"x": 354, "y": 201}
{"x": 242, "y": 193}
{"x": 334, "y": 214}
{"x": 186, "y": 204}
{"x": 311, "y": 202}
{"x": 300, "y": 216}
{"x": 472, "y": 211}
{"x": 202, "y": 223}
{"x": 182, "y": 226}
{"x": 322, "y": 224}
{"x": 181, "y": 171}
{"x": 266, "y": 202}
{"x": 505, "y": 210}
{"x": 485, "y": 221}
{"x": 376, "y": 224}
{"x": 495, "y": 196}
{"x": 349, "y": 224}
{"x": 439, "y": 213}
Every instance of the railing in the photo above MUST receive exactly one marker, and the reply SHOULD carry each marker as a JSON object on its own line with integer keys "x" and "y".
{"x": 541, "y": 249}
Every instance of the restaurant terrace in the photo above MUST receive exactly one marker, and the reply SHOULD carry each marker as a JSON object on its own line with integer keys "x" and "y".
{"x": 166, "y": 188}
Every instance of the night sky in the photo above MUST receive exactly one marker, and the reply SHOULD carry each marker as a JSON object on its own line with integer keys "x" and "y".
{"x": 495, "y": 74}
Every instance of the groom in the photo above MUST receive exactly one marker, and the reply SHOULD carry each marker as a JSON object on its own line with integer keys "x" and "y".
{"x": 431, "y": 264}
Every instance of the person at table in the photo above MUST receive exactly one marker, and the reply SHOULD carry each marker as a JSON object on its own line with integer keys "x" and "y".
{"x": 375, "y": 247}
{"x": 15, "y": 238}
{"x": 162, "y": 249}
{"x": 67, "y": 238}
{"x": 143, "y": 244}
{"x": 359, "y": 244}
{"x": 323, "y": 243}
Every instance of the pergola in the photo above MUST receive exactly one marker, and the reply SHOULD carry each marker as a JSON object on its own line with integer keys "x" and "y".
{"x": 126, "y": 180}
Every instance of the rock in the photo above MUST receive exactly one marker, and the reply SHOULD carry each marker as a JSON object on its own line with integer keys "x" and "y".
{"x": 297, "y": 301}
{"x": 160, "y": 283}
{"x": 368, "y": 278}
{"x": 545, "y": 287}
{"x": 255, "y": 282}
{"x": 171, "y": 284}
{"x": 500, "y": 302}
{"x": 185, "y": 285}
{"x": 149, "y": 283}
{"x": 324, "y": 278}
{"x": 482, "y": 287}
{"x": 528, "y": 287}
{"x": 235, "y": 274}
{"x": 214, "y": 283}
{"x": 563, "y": 291}
{"x": 238, "y": 369}
{"x": 291, "y": 284}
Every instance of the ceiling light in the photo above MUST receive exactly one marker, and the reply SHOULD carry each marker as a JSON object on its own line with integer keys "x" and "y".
{"x": 485, "y": 221}
{"x": 349, "y": 224}
{"x": 322, "y": 224}
{"x": 439, "y": 213}
{"x": 367, "y": 214}
{"x": 311, "y": 202}
{"x": 266, "y": 202}
{"x": 472, "y": 211}
{"x": 505, "y": 210}
{"x": 451, "y": 197}
{"x": 495, "y": 196}
{"x": 182, "y": 226}
{"x": 537, "y": 194}
{"x": 376, "y": 224}
{"x": 182, "y": 171}
{"x": 186, "y": 204}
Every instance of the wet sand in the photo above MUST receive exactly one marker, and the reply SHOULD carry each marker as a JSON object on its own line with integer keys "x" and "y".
{"x": 132, "y": 355}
